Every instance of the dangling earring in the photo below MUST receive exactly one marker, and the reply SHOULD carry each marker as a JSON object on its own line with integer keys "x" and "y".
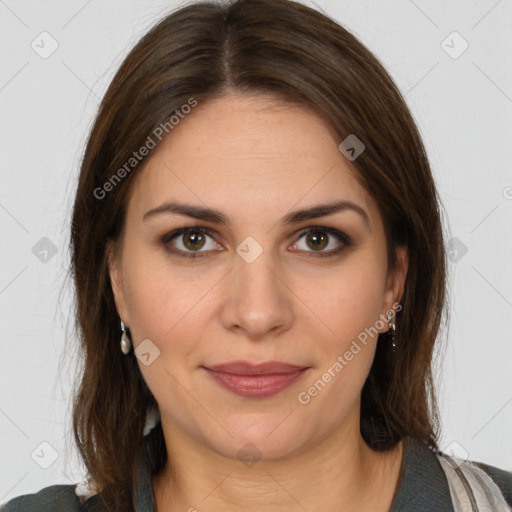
{"x": 392, "y": 331}
{"x": 126, "y": 344}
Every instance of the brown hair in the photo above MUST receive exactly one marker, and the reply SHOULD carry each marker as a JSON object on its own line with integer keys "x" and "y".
{"x": 283, "y": 48}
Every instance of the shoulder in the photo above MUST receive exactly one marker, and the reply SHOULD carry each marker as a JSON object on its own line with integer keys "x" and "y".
{"x": 423, "y": 483}
{"x": 502, "y": 478}
{"x": 55, "y": 498}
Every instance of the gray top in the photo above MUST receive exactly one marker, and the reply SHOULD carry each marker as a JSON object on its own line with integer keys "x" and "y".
{"x": 422, "y": 486}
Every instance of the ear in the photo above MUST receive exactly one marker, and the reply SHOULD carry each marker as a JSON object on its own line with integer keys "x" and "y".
{"x": 116, "y": 281}
{"x": 396, "y": 279}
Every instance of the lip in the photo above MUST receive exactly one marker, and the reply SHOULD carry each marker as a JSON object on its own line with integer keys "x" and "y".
{"x": 250, "y": 368}
{"x": 256, "y": 380}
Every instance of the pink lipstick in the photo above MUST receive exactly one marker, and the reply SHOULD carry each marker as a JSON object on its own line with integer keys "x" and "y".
{"x": 256, "y": 380}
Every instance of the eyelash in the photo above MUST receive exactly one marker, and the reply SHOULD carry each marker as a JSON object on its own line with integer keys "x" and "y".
{"x": 200, "y": 254}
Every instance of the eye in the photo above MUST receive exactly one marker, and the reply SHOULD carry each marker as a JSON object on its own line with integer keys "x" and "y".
{"x": 191, "y": 241}
{"x": 319, "y": 237}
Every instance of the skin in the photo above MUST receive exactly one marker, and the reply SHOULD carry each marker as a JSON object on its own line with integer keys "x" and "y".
{"x": 256, "y": 159}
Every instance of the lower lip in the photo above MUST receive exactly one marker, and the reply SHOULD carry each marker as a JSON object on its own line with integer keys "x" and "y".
{"x": 256, "y": 386}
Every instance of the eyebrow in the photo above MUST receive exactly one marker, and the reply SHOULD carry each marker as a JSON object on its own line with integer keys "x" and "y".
{"x": 216, "y": 216}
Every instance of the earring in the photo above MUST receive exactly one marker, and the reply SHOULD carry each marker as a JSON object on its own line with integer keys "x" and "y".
{"x": 392, "y": 331}
{"x": 126, "y": 344}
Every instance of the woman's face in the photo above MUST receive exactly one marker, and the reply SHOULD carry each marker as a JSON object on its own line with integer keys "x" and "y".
{"x": 259, "y": 289}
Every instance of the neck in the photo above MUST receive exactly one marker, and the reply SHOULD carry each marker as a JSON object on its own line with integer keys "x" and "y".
{"x": 340, "y": 473}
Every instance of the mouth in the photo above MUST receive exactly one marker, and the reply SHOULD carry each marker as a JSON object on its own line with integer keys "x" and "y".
{"x": 251, "y": 368}
{"x": 256, "y": 380}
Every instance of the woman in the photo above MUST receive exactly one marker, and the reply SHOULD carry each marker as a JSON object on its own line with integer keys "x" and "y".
{"x": 228, "y": 366}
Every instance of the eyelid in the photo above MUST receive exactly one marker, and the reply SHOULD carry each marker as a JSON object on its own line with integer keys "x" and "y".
{"x": 340, "y": 235}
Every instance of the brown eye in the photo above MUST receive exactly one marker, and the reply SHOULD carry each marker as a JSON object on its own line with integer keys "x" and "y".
{"x": 317, "y": 241}
{"x": 189, "y": 242}
{"x": 319, "y": 237}
{"x": 194, "y": 240}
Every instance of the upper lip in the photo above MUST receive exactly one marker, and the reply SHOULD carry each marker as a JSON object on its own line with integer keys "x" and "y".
{"x": 249, "y": 368}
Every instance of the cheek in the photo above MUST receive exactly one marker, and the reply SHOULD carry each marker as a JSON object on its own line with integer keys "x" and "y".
{"x": 348, "y": 303}
{"x": 158, "y": 296}
{"x": 166, "y": 308}
{"x": 348, "y": 310}
{"x": 347, "y": 300}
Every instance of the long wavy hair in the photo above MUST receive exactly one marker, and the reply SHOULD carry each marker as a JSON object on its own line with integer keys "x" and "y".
{"x": 282, "y": 48}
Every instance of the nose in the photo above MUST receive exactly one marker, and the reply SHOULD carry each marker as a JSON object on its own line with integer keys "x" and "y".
{"x": 258, "y": 300}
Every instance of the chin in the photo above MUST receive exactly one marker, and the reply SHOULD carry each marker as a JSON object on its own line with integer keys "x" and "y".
{"x": 257, "y": 439}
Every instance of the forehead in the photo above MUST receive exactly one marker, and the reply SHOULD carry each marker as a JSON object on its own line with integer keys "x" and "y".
{"x": 252, "y": 155}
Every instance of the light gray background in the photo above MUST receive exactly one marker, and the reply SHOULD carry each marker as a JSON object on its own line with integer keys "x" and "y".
{"x": 463, "y": 107}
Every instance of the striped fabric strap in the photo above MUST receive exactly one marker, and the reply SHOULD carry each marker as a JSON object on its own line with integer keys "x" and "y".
{"x": 471, "y": 488}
